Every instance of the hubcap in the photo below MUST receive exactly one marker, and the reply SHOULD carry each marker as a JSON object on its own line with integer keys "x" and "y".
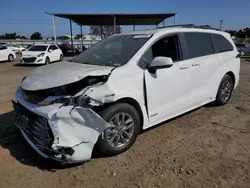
{"x": 225, "y": 90}
{"x": 122, "y": 130}
{"x": 11, "y": 58}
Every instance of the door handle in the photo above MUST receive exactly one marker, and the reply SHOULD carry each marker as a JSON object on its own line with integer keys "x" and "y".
{"x": 195, "y": 64}
{"x": 184, "y": 67}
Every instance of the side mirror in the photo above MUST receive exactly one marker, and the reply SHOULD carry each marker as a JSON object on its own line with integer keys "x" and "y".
{"x": 160, "y": 63}
{"x": 240, "y": 54}
{"x": 50, "y": 50}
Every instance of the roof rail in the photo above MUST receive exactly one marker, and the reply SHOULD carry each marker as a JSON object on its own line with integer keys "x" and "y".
{"x": 190, "y": 26}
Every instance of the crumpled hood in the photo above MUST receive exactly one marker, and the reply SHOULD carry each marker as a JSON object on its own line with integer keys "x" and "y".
{"x": 61, "y": 73}
{"x": 31, "y": 54}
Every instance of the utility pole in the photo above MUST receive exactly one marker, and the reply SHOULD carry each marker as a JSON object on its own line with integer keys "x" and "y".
{"x": 221, "y": 24}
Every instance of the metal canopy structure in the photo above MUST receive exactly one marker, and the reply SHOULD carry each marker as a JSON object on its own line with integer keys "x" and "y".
{"x": 112, "y": 19}
{"x": 120, "y": 19}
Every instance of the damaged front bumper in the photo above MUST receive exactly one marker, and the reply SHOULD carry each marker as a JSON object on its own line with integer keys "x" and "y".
{"x": 64, "y": 133}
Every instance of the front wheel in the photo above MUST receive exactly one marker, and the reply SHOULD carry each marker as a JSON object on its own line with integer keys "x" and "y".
{"x": 10, "y": 58}
{"x": 47, "y": 60}
{"x": 122, "y": 134}
{"x": 225, "y": 90}
{"x": 61, "y": 57}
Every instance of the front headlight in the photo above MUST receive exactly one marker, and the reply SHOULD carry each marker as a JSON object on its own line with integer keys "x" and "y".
{"x": 41, "y": 55}
{"x": 86, "y": 101}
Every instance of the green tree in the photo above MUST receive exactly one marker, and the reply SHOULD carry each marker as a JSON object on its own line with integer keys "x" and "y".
{"x": 78, "y": 36}
{"x": 36, "y": 36}
{"x": 104, "y": 31}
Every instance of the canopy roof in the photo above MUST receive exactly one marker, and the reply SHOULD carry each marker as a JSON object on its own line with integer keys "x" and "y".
{"x": 120, "y": 19}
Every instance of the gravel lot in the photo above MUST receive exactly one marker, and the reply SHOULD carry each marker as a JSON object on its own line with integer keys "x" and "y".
{"x": 207, "y": 148}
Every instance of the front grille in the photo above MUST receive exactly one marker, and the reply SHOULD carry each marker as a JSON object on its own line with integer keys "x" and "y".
{"x": 37, "y": 129}
{"x": 29, "y": 59}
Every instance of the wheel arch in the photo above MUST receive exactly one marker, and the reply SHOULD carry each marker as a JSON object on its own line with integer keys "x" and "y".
{"x": 129, "y": 101}
{"x": 231, "y": 74}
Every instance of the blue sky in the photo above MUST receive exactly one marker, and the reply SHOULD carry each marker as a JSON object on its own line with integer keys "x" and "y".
{"x": 27, "y": 16}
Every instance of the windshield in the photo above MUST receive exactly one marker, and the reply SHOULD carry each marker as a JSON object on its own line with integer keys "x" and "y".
{"x": 114, "y": 51}
{"x": 38, "y": 48}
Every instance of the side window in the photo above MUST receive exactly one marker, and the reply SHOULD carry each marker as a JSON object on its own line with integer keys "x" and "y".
{"x": 221, "y": 44}
{"x": 166, "y": 47}
{"x": 51, "y": 48}
{"x": 198, "y": 44}
{"x": 54, "y": 47}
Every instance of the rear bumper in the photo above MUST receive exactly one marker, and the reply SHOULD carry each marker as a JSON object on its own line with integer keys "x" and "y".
{"x": 75, "y": 130}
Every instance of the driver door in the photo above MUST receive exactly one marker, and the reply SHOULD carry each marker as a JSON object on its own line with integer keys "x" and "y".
{"x": 167, "y": 88}
{"x": 52, "y": 53}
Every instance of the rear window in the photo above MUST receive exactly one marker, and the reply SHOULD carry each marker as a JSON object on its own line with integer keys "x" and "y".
{"x": 221, "y": 44}
{"x": 198, "y": 44}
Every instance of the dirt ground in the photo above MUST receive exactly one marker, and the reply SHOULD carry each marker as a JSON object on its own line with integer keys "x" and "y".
{"x": 206, "y": 148}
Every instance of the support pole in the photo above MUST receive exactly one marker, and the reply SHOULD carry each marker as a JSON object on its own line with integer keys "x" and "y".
{"x": 114, "y": 24}
{"x": 221, "y": 24}
{"x": 54, "y": 28}
{"x": 163, "y": 23}
{"x": 133, "y": 25}
{"x": 81, "y": 36}
{"x": 175, "y": 19}
{"x": 101, "y": 32}
{"x": 71, "y": 35}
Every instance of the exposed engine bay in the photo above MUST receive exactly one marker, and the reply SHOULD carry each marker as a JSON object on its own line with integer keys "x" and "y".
{"x": 37, "y": 97}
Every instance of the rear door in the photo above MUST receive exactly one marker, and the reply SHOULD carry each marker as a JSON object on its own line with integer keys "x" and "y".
{"x": 167, "y": 89}
{"x": 206, "y": 67}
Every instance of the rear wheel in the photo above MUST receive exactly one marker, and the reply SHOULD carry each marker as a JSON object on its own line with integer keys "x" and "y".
{"x": 10, "y": 58}
{"x": 122, "y": 134}
{"x": 47, "y": 60}
{"x": 225, "y": 90}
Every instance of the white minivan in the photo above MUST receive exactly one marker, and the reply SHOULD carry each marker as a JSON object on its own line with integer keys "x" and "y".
{"x": 124, "y": 84}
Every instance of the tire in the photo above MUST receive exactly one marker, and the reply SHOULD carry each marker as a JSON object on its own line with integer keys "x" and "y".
{"x": 105, "y": 139}
{"x": 10, "y": 58}
{"x": 61, "y": 57}
{"x": 225, "y": 90}
{"x": 47, "y": 61}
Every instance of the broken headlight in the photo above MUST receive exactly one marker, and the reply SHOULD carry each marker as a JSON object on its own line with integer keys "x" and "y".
{"x": 86, "y": 101}
{"x": 83, "y": 101}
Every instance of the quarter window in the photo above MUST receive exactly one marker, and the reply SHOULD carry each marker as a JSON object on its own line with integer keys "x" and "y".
{"x": 198, "y": 44}
{"x": 221, "y": 44}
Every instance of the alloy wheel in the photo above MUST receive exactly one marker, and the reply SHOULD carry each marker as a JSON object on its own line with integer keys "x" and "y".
{"x": 122, "y": 130}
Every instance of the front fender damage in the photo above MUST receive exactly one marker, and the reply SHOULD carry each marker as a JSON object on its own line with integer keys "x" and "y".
{"x": 79, "y": 128}
{"x": 76, "y": 130}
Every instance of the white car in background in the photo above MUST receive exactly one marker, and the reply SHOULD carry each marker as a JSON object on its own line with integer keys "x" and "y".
{"x": 15, "y": 48}
{"x": 7, "y": 54}
{"x": 41, "y": 54}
